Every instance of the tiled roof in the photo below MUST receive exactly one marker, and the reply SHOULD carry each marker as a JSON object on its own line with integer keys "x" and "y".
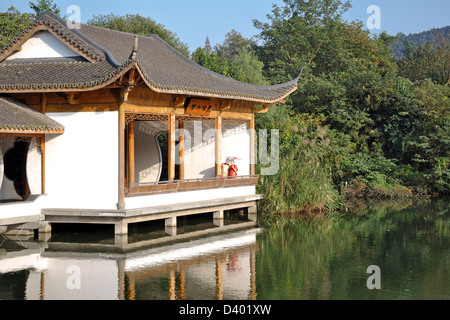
{"x": 110, "y": 54}
{"x": 16, "y": 117}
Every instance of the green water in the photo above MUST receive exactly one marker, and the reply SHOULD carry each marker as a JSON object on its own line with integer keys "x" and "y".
{"x": 409, "y": 242}
{"x": 290, "y": 260}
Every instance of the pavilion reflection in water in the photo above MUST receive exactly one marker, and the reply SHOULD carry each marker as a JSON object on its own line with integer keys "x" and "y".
{"x": 220, "y": 266}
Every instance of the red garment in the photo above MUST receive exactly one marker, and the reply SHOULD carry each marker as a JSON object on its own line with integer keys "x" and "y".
{"x": 233, "y": 171}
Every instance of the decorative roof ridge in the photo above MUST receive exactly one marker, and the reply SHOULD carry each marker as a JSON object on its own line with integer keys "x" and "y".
{"x": 57, "y": 26}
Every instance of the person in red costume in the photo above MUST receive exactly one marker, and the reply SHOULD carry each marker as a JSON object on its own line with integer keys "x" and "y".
{"x": 233, "y": 169}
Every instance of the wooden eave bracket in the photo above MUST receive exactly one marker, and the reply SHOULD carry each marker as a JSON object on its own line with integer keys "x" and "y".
{"x": 73, "y": 98}
{"x": 263, "y": 110}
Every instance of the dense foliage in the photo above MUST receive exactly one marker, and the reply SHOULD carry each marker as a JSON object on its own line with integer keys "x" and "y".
{"x": 363, "y": 123}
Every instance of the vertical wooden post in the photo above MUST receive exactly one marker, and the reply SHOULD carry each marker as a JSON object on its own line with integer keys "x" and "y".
{"x": 172, "y": 288}
{"x": 121, "y": 186}
{"x": 219, "y": 284}
{"x": 252, "y": 146}
{"x": 181, "y": 148}
{"x": 172, "y": 138}
{"x": 43, "y": 111}
{"x": 218, "y": 142}
{"x": 131, "y": 154}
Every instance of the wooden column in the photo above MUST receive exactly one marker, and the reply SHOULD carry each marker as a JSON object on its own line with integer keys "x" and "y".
{"x": 181, "y": 148}
{"x": 121, "y": 132}
{"x": 131, "y": 154}
{"x": 172, "y": 138}
{"x": 252, "y": 146}
{"x": 218, "y": 142}
{"x": 43, "y": 111}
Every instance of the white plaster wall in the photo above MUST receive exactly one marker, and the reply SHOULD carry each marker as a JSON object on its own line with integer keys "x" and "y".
{"x": 43, "y": 45}
{"x": 34, "y": 169}
{"x": 31, "y": 210}
{"x": 199, "y": 155}
{"x": 187, "y": 197}
{"x": 82, "y": 164}
{"x": 236, "y": 143}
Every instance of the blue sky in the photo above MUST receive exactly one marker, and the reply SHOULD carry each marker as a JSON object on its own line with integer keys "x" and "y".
{"x": 194, "y": 20}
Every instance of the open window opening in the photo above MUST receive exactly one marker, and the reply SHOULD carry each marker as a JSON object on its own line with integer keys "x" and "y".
{"x": 20, "y": 168}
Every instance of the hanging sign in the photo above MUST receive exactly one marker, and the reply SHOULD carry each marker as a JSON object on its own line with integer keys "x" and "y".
{"x": 198, "y": 107}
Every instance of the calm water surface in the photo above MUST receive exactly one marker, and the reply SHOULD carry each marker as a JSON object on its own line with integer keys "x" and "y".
{"x": 409, "y": 241}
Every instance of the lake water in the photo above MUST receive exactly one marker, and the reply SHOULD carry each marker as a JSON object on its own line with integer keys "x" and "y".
{"x": 408, "y": 241}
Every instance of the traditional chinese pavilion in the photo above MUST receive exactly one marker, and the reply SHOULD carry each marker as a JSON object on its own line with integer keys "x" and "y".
{"x": 101, "y": 126}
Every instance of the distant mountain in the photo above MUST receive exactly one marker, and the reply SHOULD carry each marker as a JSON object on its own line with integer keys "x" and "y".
{"x": 418, "y": 38}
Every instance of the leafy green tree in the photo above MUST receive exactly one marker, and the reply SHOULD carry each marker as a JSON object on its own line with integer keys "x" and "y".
{"x": 211, "y": 61}
{"x": 234, "y": 58}
{"x": 42, "y": 6}
{"x": 13, "y": 22}
{"x": 430, "y": 60}
{"x": 137, "y": 24}
{"x": 233, "y": 45}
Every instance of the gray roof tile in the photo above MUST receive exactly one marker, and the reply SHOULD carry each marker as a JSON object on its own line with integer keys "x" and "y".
{"x": 162, "y": 67}
{"x": 16, "y": 116}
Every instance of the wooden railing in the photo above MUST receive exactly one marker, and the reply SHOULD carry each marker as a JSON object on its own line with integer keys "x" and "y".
{"x": 139, "y": 189}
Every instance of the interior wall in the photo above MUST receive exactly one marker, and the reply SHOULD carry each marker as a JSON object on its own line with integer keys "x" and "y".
{"x": 236, "y": 143}
{"x": 199, "y": 154}
{"x": 148, "y": 157}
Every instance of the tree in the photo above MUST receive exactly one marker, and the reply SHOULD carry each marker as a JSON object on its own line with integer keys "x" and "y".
{"x": 233, "y": 58}
{"x": 137, "y": 24}
{"x": 42, "y": 6}
{"x": 13, "y": 22}
{"x": 430, "y": 60}
{"x": 208, "y": 48}
{"x": 233, "y": 44}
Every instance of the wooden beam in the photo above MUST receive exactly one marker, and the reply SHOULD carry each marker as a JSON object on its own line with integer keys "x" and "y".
{"x": 181, "y": 149}
{"x": 172, "y": 138}
{"x": 252, "y": 146}
{"x": 131, "y": 153}
{"x": 218, "y": 145}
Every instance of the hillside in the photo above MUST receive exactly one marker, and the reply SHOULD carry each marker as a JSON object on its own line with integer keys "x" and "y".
{"x": 418, "y": 38}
